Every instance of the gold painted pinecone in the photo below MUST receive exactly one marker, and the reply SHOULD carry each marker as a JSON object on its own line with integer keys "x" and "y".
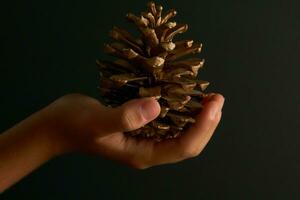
{"x": 152, "y": 66}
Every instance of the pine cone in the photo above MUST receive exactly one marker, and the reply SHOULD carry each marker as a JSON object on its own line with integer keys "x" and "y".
{"x": 152, "y": 66}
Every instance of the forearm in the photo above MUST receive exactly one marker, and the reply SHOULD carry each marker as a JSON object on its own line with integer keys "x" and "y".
{"x": 23, "y": 148}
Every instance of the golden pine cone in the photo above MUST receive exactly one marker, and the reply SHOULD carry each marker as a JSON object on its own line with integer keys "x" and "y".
{"x": 152, "y": 66}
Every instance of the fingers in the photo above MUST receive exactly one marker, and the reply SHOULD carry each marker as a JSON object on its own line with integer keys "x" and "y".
{"x": 142, "y": 154}
{"x": 192, "y": 142}
{"x": 198, "y": 135}
{"x": 131, "y": 115}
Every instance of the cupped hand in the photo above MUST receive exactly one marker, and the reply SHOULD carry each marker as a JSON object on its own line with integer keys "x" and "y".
{"x": 82, "y": 123}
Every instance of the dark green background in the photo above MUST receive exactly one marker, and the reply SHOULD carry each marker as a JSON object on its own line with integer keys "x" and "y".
{"x": 252, "y": 48}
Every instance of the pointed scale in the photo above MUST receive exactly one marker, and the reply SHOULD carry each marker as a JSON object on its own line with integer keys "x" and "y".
{"x": 140, "y": 22}
{"x": 150, "y": 17}
{"x": 149, "y": 64}
{"x": 152, "y": 8}
{"x": 192, "y": 64}
{"x": 169, "y": 33}
{"x": 159, "y": 9}
{"x": 150, "y": 92}
{"x": 123, "y": 36}
{"x": 171, "y": 13}
{"x": 179, "y": 91}
{"x": 176, "y": 103}
{"x": 122, "y": 79}
{"x": 189, "y": 84}
{"x": 163, "y": 111}
{"x": 180, "y": 120}
{"x": 178, "y": 53}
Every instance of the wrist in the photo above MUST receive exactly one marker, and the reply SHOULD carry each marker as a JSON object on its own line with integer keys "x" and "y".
{"x": 52, "y": 133}
{"x": 60, "y": 133}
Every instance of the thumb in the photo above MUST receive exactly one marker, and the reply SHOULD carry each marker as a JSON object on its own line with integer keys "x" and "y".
{"x": 132, "y": 115}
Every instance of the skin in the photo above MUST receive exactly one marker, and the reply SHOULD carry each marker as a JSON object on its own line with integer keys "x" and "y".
{"x": 78, "y": 123}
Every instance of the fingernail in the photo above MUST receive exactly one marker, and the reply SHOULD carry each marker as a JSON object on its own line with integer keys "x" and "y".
{"x": 222, "y": 104}
{"x": 216, "y": 108}
{"x": 214, "y": 111}
{"x": 150, "y": 109}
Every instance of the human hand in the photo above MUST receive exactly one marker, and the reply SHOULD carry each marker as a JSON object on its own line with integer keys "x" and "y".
{"x": 82, "y": 123}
